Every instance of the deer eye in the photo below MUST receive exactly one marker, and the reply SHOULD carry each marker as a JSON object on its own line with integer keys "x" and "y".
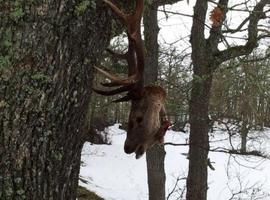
{"x": 139, "y": 119}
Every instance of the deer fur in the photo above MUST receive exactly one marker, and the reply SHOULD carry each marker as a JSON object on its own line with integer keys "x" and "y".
{"x": 145, "y": 120}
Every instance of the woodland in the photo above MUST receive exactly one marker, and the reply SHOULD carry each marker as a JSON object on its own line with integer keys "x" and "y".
{"x": 64, "y": 66}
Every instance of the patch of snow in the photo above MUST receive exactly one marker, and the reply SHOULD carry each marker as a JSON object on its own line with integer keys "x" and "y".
{"x": 115, "y": 175}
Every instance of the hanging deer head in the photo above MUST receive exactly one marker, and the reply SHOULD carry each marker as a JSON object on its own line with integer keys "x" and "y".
{"x": 147, "y": 119}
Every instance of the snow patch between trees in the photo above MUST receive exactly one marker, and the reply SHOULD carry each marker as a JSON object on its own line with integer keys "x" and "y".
{"x": 114, "y": 175}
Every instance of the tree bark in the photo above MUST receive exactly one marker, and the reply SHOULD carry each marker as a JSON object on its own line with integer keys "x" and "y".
{"x": 199, "y": 142}
{"x": 155, "y": 171}
{"x": 198, "y": 108}
{"x": 151, "y": 31}
{"x": 45, "y": 93}
{"x": 155, "y": 156}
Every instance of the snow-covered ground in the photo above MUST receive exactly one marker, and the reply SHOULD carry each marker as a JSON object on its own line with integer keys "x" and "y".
{"x": 115, "y": 175}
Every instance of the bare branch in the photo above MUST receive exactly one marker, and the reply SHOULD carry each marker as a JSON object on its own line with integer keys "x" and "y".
{"x": 224, "y": 150}
{"x": 252, "y": 40}
{"x": 175, "y": 187}
{"x": 175, "y": 13}
{"x": 238, "y": 28}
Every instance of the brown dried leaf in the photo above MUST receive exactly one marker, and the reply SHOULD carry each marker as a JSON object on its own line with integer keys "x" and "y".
{"x": 216, "y": 16}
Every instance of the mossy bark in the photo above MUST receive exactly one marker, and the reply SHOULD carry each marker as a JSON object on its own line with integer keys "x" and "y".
{"x": 45, "y": 89}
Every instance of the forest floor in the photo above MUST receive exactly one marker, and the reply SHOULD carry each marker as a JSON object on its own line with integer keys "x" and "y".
{"x": 114, "y": 175}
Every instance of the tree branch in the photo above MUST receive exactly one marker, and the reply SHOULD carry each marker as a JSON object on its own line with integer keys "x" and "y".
{"x": 225, "y": 150}
{"x": 238, "y": 28}
{"x": 164, "y": 2}
{"x": 215, "y": 32}
{"x": 252, "y": 40}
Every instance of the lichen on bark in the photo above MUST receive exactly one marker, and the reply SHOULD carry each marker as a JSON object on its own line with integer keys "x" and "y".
{"x": 45, "y": 87}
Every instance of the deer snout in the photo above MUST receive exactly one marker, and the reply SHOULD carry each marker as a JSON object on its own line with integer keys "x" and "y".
{"x": 129, "y": 148}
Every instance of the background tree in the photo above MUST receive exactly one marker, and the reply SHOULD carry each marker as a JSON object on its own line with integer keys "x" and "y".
{"x": 206, "y": 58}
{"x": 240, "y": 94}
{"x": 101, "y": 106}
{"x": 155, "y": 156}
{"x": 175, "y": 77}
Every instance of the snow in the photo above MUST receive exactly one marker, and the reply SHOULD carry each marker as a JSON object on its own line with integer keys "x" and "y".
{"x": 114, "y": 175}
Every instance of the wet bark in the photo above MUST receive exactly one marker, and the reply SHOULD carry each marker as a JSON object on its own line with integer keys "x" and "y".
{"x": 45, "y": 91}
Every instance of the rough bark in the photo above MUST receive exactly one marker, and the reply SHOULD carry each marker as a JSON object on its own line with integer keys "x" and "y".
{"x": 199, "y": 142}
{"x": 45, "y": 93}
{"x": 198, "y": 109}
{"x": 155, "y": 171}
{"x": 151, "y": 31}
{"x": 155, "y": 156}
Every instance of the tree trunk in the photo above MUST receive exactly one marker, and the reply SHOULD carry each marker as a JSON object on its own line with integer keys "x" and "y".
{"x": 198, "y": 107}
{"x": 199, "y": 142}
{"x": 156, "y": 155}
{"x": 45, "y": 93}
{"x": 244, "y": 133}
{"x": 155, "y": 171}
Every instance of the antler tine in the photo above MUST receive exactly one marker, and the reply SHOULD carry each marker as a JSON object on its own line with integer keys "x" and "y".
{"x": 111, "y": 84}
{"x": 134, "y": 33}
{"x": 115, "y": 78}
{"x": 115, "y": 91}
{"x": 123, "y": 99}
{"x": 122, "y": 15}
{"x": 120, "y": 56}
{"x": 136, "y": 16}
{"x": 135, "y": 63}
{"x": 129, "y": 56}
{"x": 138, "y": 10}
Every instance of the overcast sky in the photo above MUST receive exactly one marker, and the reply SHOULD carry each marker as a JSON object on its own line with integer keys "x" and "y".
{"x": 176, "y": 28}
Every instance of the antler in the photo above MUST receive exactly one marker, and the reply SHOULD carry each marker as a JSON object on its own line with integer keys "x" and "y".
{"x": 134, "y": 56}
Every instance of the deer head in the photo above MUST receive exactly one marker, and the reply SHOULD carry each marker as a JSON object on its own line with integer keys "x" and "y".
{"x": 147, "y": 119}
